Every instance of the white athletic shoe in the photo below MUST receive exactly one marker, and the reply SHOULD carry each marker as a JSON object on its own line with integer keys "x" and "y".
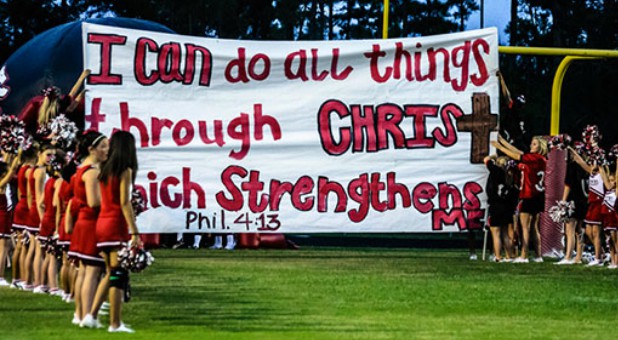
{"x": 76, "y": 320}
{"x": 3, "y": 282}
{"x": 473, "y": 257}
{"x": 90, "y": 322}
{"x": 564, "y": 261}
{"x": 594, "y": 263}
{"x": 230, "y": 246}
{"x": 40, "y": 290}
{"x": 520, "y": 260}
{"x": 537, "y": 259}
{"x": 612, "y": 266}
{"x": 121, "y": 329}
{"x": 505, "y": 260}
{"x": 105, "y": 305}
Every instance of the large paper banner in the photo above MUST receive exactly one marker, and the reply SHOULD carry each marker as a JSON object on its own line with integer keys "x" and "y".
{"x": 300, "y": 136}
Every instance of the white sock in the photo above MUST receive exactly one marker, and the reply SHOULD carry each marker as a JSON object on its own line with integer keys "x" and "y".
{"x": 230, "y": 239}
{"x": 178, "y": 237}
{"x": 218, "y": 241}
{"x": 196, "y": 240}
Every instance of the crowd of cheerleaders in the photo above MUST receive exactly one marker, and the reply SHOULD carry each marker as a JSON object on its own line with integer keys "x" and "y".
{"x": 73, "y": 221}
{"x": 587, "y": 209}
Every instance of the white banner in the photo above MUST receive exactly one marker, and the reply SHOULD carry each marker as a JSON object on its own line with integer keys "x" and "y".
{"x": 300, "y": 136}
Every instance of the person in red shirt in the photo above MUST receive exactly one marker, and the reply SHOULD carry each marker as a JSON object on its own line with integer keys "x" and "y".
{"x": 532, "y": 190}
{"x": 20, "y": 219}
{"x": 93, "y": 148}
{"x": 116, "y": 224}
{"x": 6, "y": 174}
{"x": 594, "y": 217}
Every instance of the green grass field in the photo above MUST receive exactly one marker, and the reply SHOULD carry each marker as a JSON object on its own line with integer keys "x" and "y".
{"x": 336, "y": 293}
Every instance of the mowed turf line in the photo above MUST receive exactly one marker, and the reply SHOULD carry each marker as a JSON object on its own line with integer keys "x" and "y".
{"x": 336, "y": 293}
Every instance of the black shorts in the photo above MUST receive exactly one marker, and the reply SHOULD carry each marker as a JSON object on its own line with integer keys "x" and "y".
{"x": 500, "y": 215}
{"x": 581, "y": 208}
{"x": 533, "y": 205}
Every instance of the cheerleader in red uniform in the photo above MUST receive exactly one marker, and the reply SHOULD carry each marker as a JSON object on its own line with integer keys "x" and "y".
{"x": 86, "y": 201}
{"x": 20, "y": 218}
{"x": 608, "y": 213}
{"x": 48, "y": 222}
{"x": 594, "y": 217}
{"x": 63, "y": 192}
{"x": 532, "y": 191}
{"x": 36, "y": 189}
{"x": 40, "y": 110}
{"x": 5, "y": 214}
{"x": 116, "y": 220}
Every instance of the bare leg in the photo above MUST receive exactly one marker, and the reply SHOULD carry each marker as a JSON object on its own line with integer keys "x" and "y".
{"x": 509, "y": 241}
{"x": 89, "y": 286}
{"x": 115, "y": 296}
{"x": 37, "y": 264}
{"x": 44, "y": 268}
{"x": 79, "y": 280}
{"x": 569, "y": 232}
{"x": 596, "y": 234}
{"x": 525, "y": 220}
{"x": 495, "y": 235}
{"x": 27, "y": 265}
{"x": 52, "y": 271}
{"x": 614, "y": 241}
{"x": 102, "y": 289}
{"x": 537, "y": 236}
{"x": 15, "y": 265}
{"x": 579, "y": 242}
{"x": 4, "y": 250}
{"x": 64, "y": 274}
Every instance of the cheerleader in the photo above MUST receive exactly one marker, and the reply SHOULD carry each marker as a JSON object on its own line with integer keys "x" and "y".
{"x": 594, "y": 218}
{"x": 116, "y": 221}
{"x": 48, "y": 233}
{"x": 575, "y": 190}
{"x": 86, "y": 201}
{"x": 63, "y": 192}
{"x": 40, "y": 110}
{"x": 20, "y": 217}
{"x": 608, "y": 213}
{"x": 502, "y": 198}
{"x": 5, "y": 215}
{"x": 531, "y": 194}
{"x": 36, "y": 190}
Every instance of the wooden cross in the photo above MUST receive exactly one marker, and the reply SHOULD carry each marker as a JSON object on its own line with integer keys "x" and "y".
{"x": 480, "y": 123}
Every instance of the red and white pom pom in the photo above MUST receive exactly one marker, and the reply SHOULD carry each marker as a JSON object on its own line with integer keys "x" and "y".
{"x": 559, "y": 142}
{"x": 13, "y": 135}
{"x": 134, "y": 259}
{"x": 63, "y": 131}
{"x": 138, "y": 202}
{"x": 591, "y": 134}
{"x": 562, "y": 211}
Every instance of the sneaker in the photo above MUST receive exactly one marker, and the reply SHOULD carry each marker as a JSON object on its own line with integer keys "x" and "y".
{"x": 105, "y": 305}
{"x": 537, "y": 259}
{"x": 216, "y": 247}
{"x": 27, "y": 287}
{"x": 178, "y": 244}
{"x": 612, "y": 266}
{"x": 40, "y": 290}
{"x": 492, "y": 258}
{"x": 90, "y": 322}
{"x": 3, "y": 283}
{"x": 564, "y": 261}
{"x": 14, "y": 285}
{"x": 196, "y": 247}
{"x": 473, "y": 257}
{"x": 594, "y": 262}
{"x": 520, "y": 260}
{"x": 230, "y": 246}
{"x": 121, "y": 329}
{"x": 507, "y": 260}
{"x": 76, "y": 320}
{"x": 56, "y": 292}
